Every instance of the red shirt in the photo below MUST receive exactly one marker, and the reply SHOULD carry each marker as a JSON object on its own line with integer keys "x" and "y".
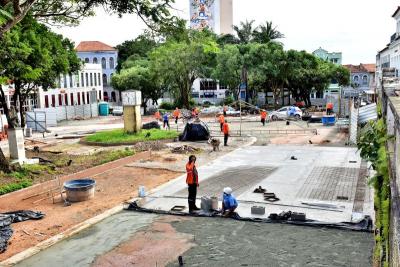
{"x": 225, "y": 128}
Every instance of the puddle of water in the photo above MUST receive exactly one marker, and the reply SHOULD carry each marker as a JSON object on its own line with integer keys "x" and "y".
{"x": 82, "y": 249}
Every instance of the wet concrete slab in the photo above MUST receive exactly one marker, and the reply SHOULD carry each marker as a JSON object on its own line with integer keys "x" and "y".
{"x": 322, "y": 182}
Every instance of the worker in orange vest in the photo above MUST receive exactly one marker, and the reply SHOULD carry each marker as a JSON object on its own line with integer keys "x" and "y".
{"x": 157, "y": 115}
{"x": 226, "y": 132}
{"x": 192, "y": 180}
{"x": 329, "y": 108}
{"x": 221, "y": 121}
{"x": 263, "y": 116}
{"x": 176, "y": 114}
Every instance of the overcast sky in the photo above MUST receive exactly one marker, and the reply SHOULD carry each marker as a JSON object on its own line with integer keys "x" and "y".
{"x": 357, "y": 28}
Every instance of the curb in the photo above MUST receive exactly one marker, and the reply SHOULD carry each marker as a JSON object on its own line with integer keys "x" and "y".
{"x": 87, "y": 143}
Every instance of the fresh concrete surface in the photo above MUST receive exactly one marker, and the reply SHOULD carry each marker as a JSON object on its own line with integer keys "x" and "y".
{"x": 289, "y": 180}
{"x": 82, "y": 249}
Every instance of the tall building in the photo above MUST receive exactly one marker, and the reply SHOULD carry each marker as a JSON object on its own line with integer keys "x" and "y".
{"x": 96, "y": 52}
{"x": 215, "y": 15}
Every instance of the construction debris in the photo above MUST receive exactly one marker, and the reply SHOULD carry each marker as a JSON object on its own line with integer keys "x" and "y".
{"x": 185, "y": 149}
{"x": 259, "y": 190}
{"x": 153, "y": 146}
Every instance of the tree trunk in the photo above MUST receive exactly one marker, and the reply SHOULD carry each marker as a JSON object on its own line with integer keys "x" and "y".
{"x": 21, "y": 110}
{"x": 4, "y": 164}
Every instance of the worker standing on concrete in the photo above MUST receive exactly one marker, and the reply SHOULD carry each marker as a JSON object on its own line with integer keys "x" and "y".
{"x": 221, "y": 121}
{"x": 229, "y": 203}
{"x": 192, "y": 180}
{"x": 224, "y": 110}
{"x": 329, "y": 108}
{"x": 166, "y": 121}
{"x": 177, "y": 113}
{"x": 263, "y": 116}
{"x": 225, "y": 129}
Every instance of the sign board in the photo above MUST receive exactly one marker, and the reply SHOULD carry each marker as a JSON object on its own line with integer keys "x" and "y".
{"x": 131, "y": 98}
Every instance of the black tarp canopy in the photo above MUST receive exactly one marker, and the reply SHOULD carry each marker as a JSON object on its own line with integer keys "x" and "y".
{"x": 195, "y": 131}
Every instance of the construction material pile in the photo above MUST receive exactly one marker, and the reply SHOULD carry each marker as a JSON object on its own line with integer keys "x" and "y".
{"x": 145, "y": 146}
{"x": 185, "y": 149}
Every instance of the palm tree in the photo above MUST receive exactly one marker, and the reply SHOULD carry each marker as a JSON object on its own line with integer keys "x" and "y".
{"x": 245, "y": 31}
{"x": 266, "y": 33}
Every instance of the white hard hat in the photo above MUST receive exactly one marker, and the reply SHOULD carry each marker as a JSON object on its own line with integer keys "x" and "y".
{"x": 228, "y": 190}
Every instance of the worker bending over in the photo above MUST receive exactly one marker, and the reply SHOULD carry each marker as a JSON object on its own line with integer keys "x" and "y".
{"x": 229, "y": 203}
{"x": 192, "y": 180}
{"x": 329, "y": 108}
{"x": 225, "y": 129}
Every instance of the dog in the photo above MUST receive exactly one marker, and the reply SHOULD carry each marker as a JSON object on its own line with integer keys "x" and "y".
{"x": 214, "y": 142}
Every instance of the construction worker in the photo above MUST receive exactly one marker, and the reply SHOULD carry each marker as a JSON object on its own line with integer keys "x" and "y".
{"x": 224, "y": 110}
{"x": 263, "y": 116}
{"x": 329, "y": 108}
{"x": 157, "y": 115}
{"x": 192, "y": 180}
{"x": 221, "y": 121}
{"x": 229, "y": 203}
{"x": 166, "y": 121}
{"x": 177, "y": 113}
{"x": 225, "y": 129}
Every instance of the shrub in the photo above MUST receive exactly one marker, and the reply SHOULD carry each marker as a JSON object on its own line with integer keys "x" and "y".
{"x": 167, "y": 106}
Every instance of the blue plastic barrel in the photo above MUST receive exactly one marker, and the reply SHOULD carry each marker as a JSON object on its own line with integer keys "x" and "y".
{"x": 103, "y": 109}
{"x": 328, "y": 120}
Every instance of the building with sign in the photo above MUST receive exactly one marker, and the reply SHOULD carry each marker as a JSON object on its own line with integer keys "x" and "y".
{"x": 106, "y": 56}
{"x": 215, "y": 15}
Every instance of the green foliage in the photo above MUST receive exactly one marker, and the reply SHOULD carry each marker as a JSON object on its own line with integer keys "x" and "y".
{"x": 228, "y": 100}
{"x": 372, "y": 146}
{"x": 11, "y": 187}
{"x": 119, "y": 136}
{"x": 167, "y": 106}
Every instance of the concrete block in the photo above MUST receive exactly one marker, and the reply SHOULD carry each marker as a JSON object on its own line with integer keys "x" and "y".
{"x": 206, "y": 203}
{"x": 258, "y": 210}
{"x": 16, "y": 144}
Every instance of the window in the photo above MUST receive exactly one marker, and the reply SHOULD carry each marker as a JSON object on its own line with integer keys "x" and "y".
{"x": 105, "y": 79}
{"x": 95, "y": 60}
{"x": 355, "y": 78}
{"x": 88, "y": 98}
{"x": 206, "y": 85}
{"x": 60, "y": 100}
{"x": 71, "y": 82}
{"x": 111, "y": 62}
{"x": 99, "y": 95}
{"x": 87, "y": 79}
{"x": 91, "y": 79}
{"x": 79, "y": 98}
{"x": 82, "y": 80}
{"x": 53, "y": 100}
{"x": 95, "y": 80}
{"x": 111, "y": 75}
{"x": 105, "y": 96}
{"x": 87, "y": 60}
{"x": 99, "y": 79}
{"x": 365, "y": 80}
{"x": 46, "y": 101}
{"x": 103, "y": 63}
{"x": 72, "y": 99}
{"x": 222, "y": 86}
{"x": 83, "y": 98}
{"x": 66, "y": 99}
{"x": 77, "y": 80}
{"x": 113, "y": 97}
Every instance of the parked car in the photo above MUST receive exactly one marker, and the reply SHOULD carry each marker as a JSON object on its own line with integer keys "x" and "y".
{"x": 118, "y": 111}
{"x": 283, "y": 113}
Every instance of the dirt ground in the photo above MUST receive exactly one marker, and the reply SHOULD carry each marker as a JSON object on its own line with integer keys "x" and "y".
{"x": 115, "y": 184}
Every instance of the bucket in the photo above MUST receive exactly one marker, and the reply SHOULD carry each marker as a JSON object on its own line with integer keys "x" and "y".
{"x": 80, "y": 190}
{"x": 142, "y": 191}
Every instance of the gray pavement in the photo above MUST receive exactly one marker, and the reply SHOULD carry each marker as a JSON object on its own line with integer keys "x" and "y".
{"x": 322, "y": 182}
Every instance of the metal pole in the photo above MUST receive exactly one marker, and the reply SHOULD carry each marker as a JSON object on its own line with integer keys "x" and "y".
{"x": 240, "y": 109}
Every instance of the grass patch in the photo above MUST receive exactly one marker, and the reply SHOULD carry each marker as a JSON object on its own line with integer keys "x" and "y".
{"x": 11, "y": 187}
{"x": 114, "y": 155}
{"x": 119, "y": 136}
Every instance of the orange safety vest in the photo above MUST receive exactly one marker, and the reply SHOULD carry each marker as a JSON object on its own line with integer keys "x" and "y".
{"x": 263, "y": 114}
{"x": 221, "y": 119}
{"x": 225, "y": 128}
{"x": 157, "y": 115}
{"x": 177, "y": 113}
{"x": 329, "y": 106}
{"x": 191, "y": 177}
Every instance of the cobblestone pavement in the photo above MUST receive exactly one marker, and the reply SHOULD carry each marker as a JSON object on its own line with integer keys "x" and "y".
{"x": 223, "y": 242}
{"x": 239, "y": 179}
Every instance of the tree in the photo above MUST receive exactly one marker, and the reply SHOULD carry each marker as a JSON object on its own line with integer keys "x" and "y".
{"x": 135, "y": 49}
{"x": 245, "y": 31}
{"x": 179, "y": 64}
{"x": 229, "y": 67}
{"x": 71, "y": 11}
{"x": 266, "y": 33}
{"x": 139, "y": 76}
{"x": 32, "y": 56}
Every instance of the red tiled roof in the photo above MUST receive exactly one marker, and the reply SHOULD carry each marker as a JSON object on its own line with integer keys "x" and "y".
{"x": 90, "y": 46}
{"x": 361, "y": 68}
{"x": 397, "y": 10}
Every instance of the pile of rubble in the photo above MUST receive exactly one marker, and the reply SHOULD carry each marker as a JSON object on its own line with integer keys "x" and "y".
{"x": 185, "y": 149}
